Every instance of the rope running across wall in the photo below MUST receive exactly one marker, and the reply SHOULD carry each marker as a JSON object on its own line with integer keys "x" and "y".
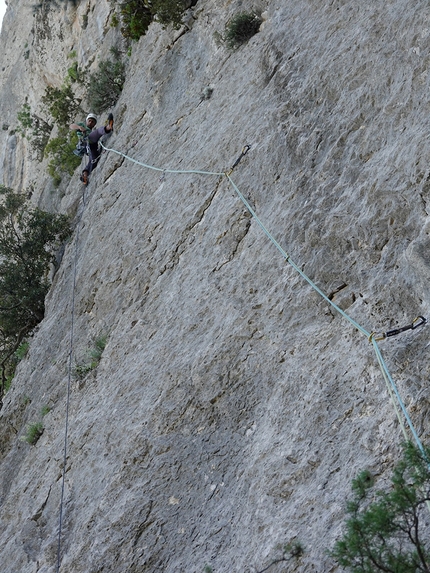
{"x": 391, "y": 386}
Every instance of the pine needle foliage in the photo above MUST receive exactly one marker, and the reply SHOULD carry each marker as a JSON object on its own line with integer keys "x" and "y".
{"x": 105, "y": 85}
{"x": 28, "y": 239}
{"x": 386, "y": 530}
{"x": 36, "y": 129}
{"x": 240, "y": 28}
{"x": 60, "y": 149}
{"x": 136, "y": 15}
{"x": 61, "y": 103}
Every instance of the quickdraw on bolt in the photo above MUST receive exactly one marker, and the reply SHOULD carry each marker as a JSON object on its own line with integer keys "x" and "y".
{"x": 244, "y": 152}
{"x": 419, "y": 321}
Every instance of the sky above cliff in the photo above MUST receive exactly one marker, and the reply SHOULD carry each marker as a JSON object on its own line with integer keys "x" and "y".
{"x": 2, "y": 10}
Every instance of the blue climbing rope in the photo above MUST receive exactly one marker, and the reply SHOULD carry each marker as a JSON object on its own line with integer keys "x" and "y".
{"x": 391, "y": 386}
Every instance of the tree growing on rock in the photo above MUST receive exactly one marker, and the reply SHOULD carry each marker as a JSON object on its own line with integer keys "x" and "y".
{"x": 28, "y": 239}
{"x": 388, "y": 530}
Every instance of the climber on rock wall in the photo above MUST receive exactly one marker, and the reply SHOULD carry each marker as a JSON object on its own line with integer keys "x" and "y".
{"x": 88, "y": 142}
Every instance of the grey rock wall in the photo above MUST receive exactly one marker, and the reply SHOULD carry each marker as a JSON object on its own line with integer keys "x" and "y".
{"x": 232, "y": 406}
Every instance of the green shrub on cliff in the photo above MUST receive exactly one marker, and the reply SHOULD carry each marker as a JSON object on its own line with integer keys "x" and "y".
{"x": 63, "y": 106}
{"x": 93, "y": 358}
{"x": 33, "y": 433}
{"x": 34, "y": 128}
{"x": 105, "y": 85}
{"x": 240, "y": 28}
{"x": 61, "y": 103}
{"x": 28, "y": 239}
{"x": 386, "y": 530}
{"x": 168, "y": 12}
{"x": 135, "y": 16}
{"x": 60, "y": 149}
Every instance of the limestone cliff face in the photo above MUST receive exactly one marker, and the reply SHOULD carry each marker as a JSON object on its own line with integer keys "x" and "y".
{"x": 232, "y": 406}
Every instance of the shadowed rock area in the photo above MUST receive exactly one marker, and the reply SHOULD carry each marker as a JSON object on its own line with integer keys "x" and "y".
{"x": 232, "y": 405}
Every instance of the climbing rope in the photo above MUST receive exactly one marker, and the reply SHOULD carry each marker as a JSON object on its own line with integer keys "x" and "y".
{"x": 69, "y": 383}
{"x": 163, "y": 170}
{"x": 387, "y": 377}
{"x": 420, "y": 321}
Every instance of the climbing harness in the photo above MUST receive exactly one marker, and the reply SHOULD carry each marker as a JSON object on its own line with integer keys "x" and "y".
{"x": 82, "y": 147}
{"x": 417, "y": 322}
{"x": 391, "y": 386}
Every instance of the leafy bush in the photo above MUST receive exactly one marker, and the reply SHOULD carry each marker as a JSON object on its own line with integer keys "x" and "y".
{"x": 137, "y": 15}
{"x": 384, "y": 530}
{"x": 241, "y": 28}
{"x": 28, "y": 239}
{"x": 105, "y": 85}
{"x": 61, "y": 103}
{"x": 61, "y": 150}
{"x": 74, "y": 73}
{"x": 35, "y": 128}
{"x": 168, "y": 12}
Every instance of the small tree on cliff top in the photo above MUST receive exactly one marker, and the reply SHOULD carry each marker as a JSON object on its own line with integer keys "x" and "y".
{"x": 388, "y": 531}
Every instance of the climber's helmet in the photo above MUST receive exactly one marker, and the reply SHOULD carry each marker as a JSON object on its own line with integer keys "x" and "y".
{"x": 91, "y": 118}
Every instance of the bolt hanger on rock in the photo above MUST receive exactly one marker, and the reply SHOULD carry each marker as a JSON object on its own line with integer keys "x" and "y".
{"x": 244, "y": 152}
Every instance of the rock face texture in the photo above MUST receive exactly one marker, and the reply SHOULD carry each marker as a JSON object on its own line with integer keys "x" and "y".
{"x": 232, "y": 405}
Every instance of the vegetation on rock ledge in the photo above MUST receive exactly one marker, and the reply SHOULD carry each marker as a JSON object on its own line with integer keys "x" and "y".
{"x": 240, "y": 29}
{"x": 135, "y": 16}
